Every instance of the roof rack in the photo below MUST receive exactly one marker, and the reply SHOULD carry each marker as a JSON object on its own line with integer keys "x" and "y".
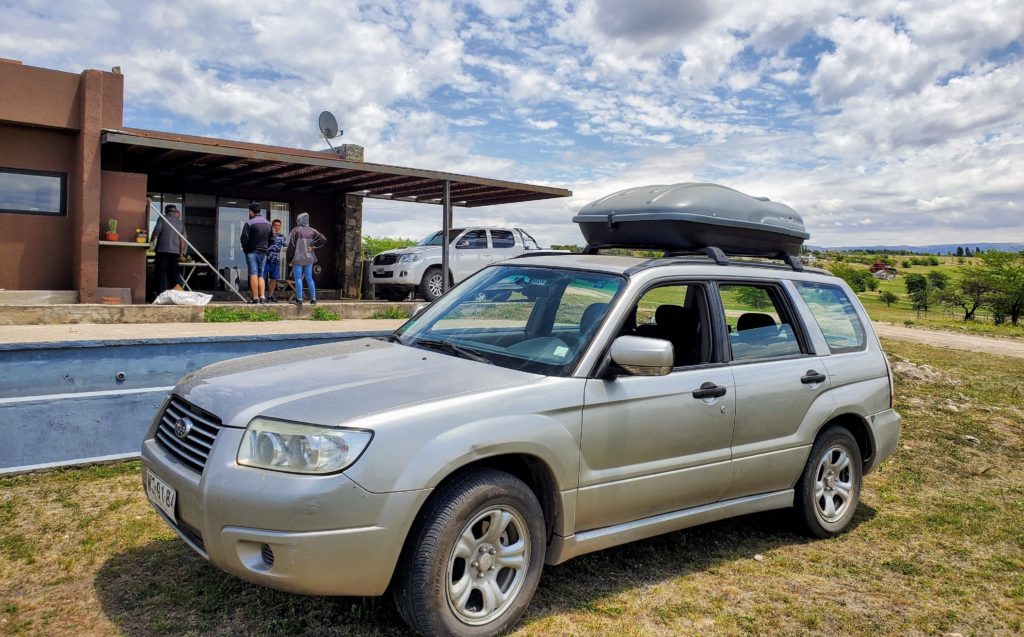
{"x": 714, "y": 253}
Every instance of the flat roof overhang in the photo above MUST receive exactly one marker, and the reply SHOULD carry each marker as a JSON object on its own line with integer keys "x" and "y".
{"x": 240, "y": 164}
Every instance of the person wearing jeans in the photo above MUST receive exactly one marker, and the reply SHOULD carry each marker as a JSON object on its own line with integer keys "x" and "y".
{"x": 256, "y": 235}
{"x": 302, "y": 241}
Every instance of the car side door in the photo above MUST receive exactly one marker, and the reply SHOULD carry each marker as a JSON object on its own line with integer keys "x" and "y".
{"x": 782, "y": 386}
{"x": 650, "y": 444}
{"x": 471, "y": 252}
{"x": 503, "y": 245}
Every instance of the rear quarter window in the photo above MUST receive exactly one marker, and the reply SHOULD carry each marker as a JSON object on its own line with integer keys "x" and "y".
{"x": 835, "y": 314}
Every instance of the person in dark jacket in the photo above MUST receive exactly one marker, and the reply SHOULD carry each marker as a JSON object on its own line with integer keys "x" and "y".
{"x": 256, "y": 235}
{"x": 302, "y": 241}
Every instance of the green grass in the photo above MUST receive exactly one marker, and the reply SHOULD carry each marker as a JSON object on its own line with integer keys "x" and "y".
{"x": 237, "y": 315}
{"x": 391, "y": 313}
{"x": 937, "y": 547}
{"x": 323, "y": 314}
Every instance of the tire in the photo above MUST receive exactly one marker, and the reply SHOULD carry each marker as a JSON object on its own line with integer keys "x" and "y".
{"x": 432, "y": 284}
{"x": 828, "y": 490}
{"x": 451, "y": 540}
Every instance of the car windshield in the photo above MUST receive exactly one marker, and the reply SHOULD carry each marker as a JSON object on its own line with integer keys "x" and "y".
{"x": 434, "y": 239}
{"x": 534, "y": 319}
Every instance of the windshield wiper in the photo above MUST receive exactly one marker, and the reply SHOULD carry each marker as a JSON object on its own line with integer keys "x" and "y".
{"x": 391, "y": 338}
{"x": 452, "y": 348}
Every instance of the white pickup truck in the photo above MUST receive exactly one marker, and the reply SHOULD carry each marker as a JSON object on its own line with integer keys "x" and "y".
{"x": 396, "y": 273}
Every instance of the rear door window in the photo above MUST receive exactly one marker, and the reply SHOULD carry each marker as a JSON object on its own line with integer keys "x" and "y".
{"x": 835, "y": 314}
{"x": 759, "y": 323}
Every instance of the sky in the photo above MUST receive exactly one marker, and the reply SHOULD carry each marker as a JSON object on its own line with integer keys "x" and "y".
{"x": 879, "y": 121}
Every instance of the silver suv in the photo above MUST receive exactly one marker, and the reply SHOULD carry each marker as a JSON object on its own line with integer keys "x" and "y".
{"x": 602, "y": 400}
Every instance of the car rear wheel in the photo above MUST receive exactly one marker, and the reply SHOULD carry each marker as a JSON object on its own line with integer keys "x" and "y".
{"x": 828, "y": 491}
{"x": 474, "y": 558}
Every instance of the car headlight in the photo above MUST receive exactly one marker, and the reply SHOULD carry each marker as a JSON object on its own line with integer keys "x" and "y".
{"x": 295, "y": 448}
{"x": 406, "y": 258}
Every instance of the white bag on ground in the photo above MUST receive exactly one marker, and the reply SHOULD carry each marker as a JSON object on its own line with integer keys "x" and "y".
{"x": 182, "y": 297}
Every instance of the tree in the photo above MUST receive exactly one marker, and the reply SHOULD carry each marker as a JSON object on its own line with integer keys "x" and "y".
{"x": 858, "y": 280}
{"x": 968, "y": 253}
{"x": 971, "y": 292}
{"x": 755, "y": 298}
{"x": 959, "y": 251}
{"x": 1004, "y": 273}
{"x": 920, "y": 290}
{"x": 888, "y": 297}
{"x": 939, "y": 280}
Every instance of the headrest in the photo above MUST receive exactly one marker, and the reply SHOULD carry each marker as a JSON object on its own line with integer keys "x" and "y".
{"x": 669, "y": 315}
{"x": 591, "y": 315}
{"x": 754, "y": 320}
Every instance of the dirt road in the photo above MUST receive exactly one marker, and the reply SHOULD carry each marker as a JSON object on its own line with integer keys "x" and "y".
{"x": 969, "y": 342}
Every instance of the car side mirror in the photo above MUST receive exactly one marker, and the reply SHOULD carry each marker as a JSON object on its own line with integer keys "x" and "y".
{"x": 417, "y": 309}
{"x": 462, "y": 244}
{"x": 643, "y": 356}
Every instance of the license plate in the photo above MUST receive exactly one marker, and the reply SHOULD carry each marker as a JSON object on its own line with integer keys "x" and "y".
{"x": 378, "y": 272}
{"x": 161, "y": 494}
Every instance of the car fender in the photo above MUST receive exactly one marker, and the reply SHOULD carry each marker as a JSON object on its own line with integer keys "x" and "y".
{"x": 544, "y": 437}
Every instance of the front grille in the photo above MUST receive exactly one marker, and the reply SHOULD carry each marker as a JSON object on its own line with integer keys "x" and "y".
{"x": 384, "y": 275}
{"x": 193, "y": 449}
{"x": 385, "y": 259}
{"x": 268, "y": 555}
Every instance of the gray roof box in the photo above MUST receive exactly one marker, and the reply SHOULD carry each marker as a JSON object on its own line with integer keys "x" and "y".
{"x": 691, "y": 217}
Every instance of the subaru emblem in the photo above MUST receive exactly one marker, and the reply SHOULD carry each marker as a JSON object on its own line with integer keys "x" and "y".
{"x": 182, "y": 427}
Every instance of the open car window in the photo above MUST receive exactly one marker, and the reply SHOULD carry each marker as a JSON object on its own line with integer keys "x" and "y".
{"x": 533, "y": 319}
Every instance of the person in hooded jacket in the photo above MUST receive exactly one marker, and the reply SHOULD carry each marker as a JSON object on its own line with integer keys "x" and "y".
{"x": 302, "y": 241}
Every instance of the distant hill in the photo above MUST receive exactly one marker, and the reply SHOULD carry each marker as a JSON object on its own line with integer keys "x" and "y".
{"x": 942, "y": 248}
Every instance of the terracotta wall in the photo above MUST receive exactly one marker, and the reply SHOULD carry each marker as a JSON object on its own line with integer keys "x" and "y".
{"x": 51, "y": 120}
{"x": 36, "y": 250}
{"x": 123, "y": 197}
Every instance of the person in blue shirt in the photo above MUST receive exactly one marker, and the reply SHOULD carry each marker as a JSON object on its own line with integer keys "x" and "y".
{"x": 272, "y": 269}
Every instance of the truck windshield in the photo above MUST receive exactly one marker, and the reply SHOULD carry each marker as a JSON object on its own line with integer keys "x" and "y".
{"x": 434, "y": 239}
{"x": 534, "y": 319}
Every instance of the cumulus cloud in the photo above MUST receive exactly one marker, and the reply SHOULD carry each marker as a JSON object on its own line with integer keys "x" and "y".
{"x": 876, "y": 119}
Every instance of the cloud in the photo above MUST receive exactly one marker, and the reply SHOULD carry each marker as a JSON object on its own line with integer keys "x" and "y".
{"x": 905, "y": 114}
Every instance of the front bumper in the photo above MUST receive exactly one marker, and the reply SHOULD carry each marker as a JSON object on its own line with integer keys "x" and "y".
{"x": 323, "y": 535}
{"x": 885, "y": 427}
{"x": 407, "y": 274}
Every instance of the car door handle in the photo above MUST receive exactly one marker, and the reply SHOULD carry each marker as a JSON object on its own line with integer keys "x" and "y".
{"x": 811, "y": 377}
{"x": 709, "y": 390}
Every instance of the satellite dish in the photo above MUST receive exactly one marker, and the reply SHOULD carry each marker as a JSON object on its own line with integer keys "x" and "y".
{"x": 329, "y": 127}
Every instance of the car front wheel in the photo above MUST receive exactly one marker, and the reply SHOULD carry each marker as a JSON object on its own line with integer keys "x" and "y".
{"x": 828, "y": 491}
{"x": 432, "y": 285}
{"x": 474, "y": 558}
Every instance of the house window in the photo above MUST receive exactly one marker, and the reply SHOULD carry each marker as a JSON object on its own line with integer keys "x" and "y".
{"x": 33, "y": 192}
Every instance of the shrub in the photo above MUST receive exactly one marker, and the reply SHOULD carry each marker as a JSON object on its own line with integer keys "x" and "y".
{"x": 321, "y": 313}
{"x": 888, "y": 297}
{"x": 376, "y": 245}
{"x": 391, "y": 313}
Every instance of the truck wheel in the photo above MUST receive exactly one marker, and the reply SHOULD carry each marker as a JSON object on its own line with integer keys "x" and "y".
{"x": 828, "y": 491}
{"x": 432, "y": 285}
{"x": 474, "y": 557}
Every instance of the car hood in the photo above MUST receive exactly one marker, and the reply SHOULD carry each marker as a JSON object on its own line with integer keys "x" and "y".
{"x": 335, "y": 383}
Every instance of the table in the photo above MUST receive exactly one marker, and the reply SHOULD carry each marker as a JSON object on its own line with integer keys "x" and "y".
{"x": 189, "y": 268}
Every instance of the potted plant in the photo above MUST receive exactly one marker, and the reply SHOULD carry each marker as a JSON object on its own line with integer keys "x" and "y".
{"x": 111, "y": 234}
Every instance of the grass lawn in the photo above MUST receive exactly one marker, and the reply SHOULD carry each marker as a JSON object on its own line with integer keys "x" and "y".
{"x": 937, "y": 546}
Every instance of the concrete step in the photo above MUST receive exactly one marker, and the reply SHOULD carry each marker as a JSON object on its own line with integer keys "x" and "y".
{"x": 110, "y": 314}
{"x": 37, "y": 297}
